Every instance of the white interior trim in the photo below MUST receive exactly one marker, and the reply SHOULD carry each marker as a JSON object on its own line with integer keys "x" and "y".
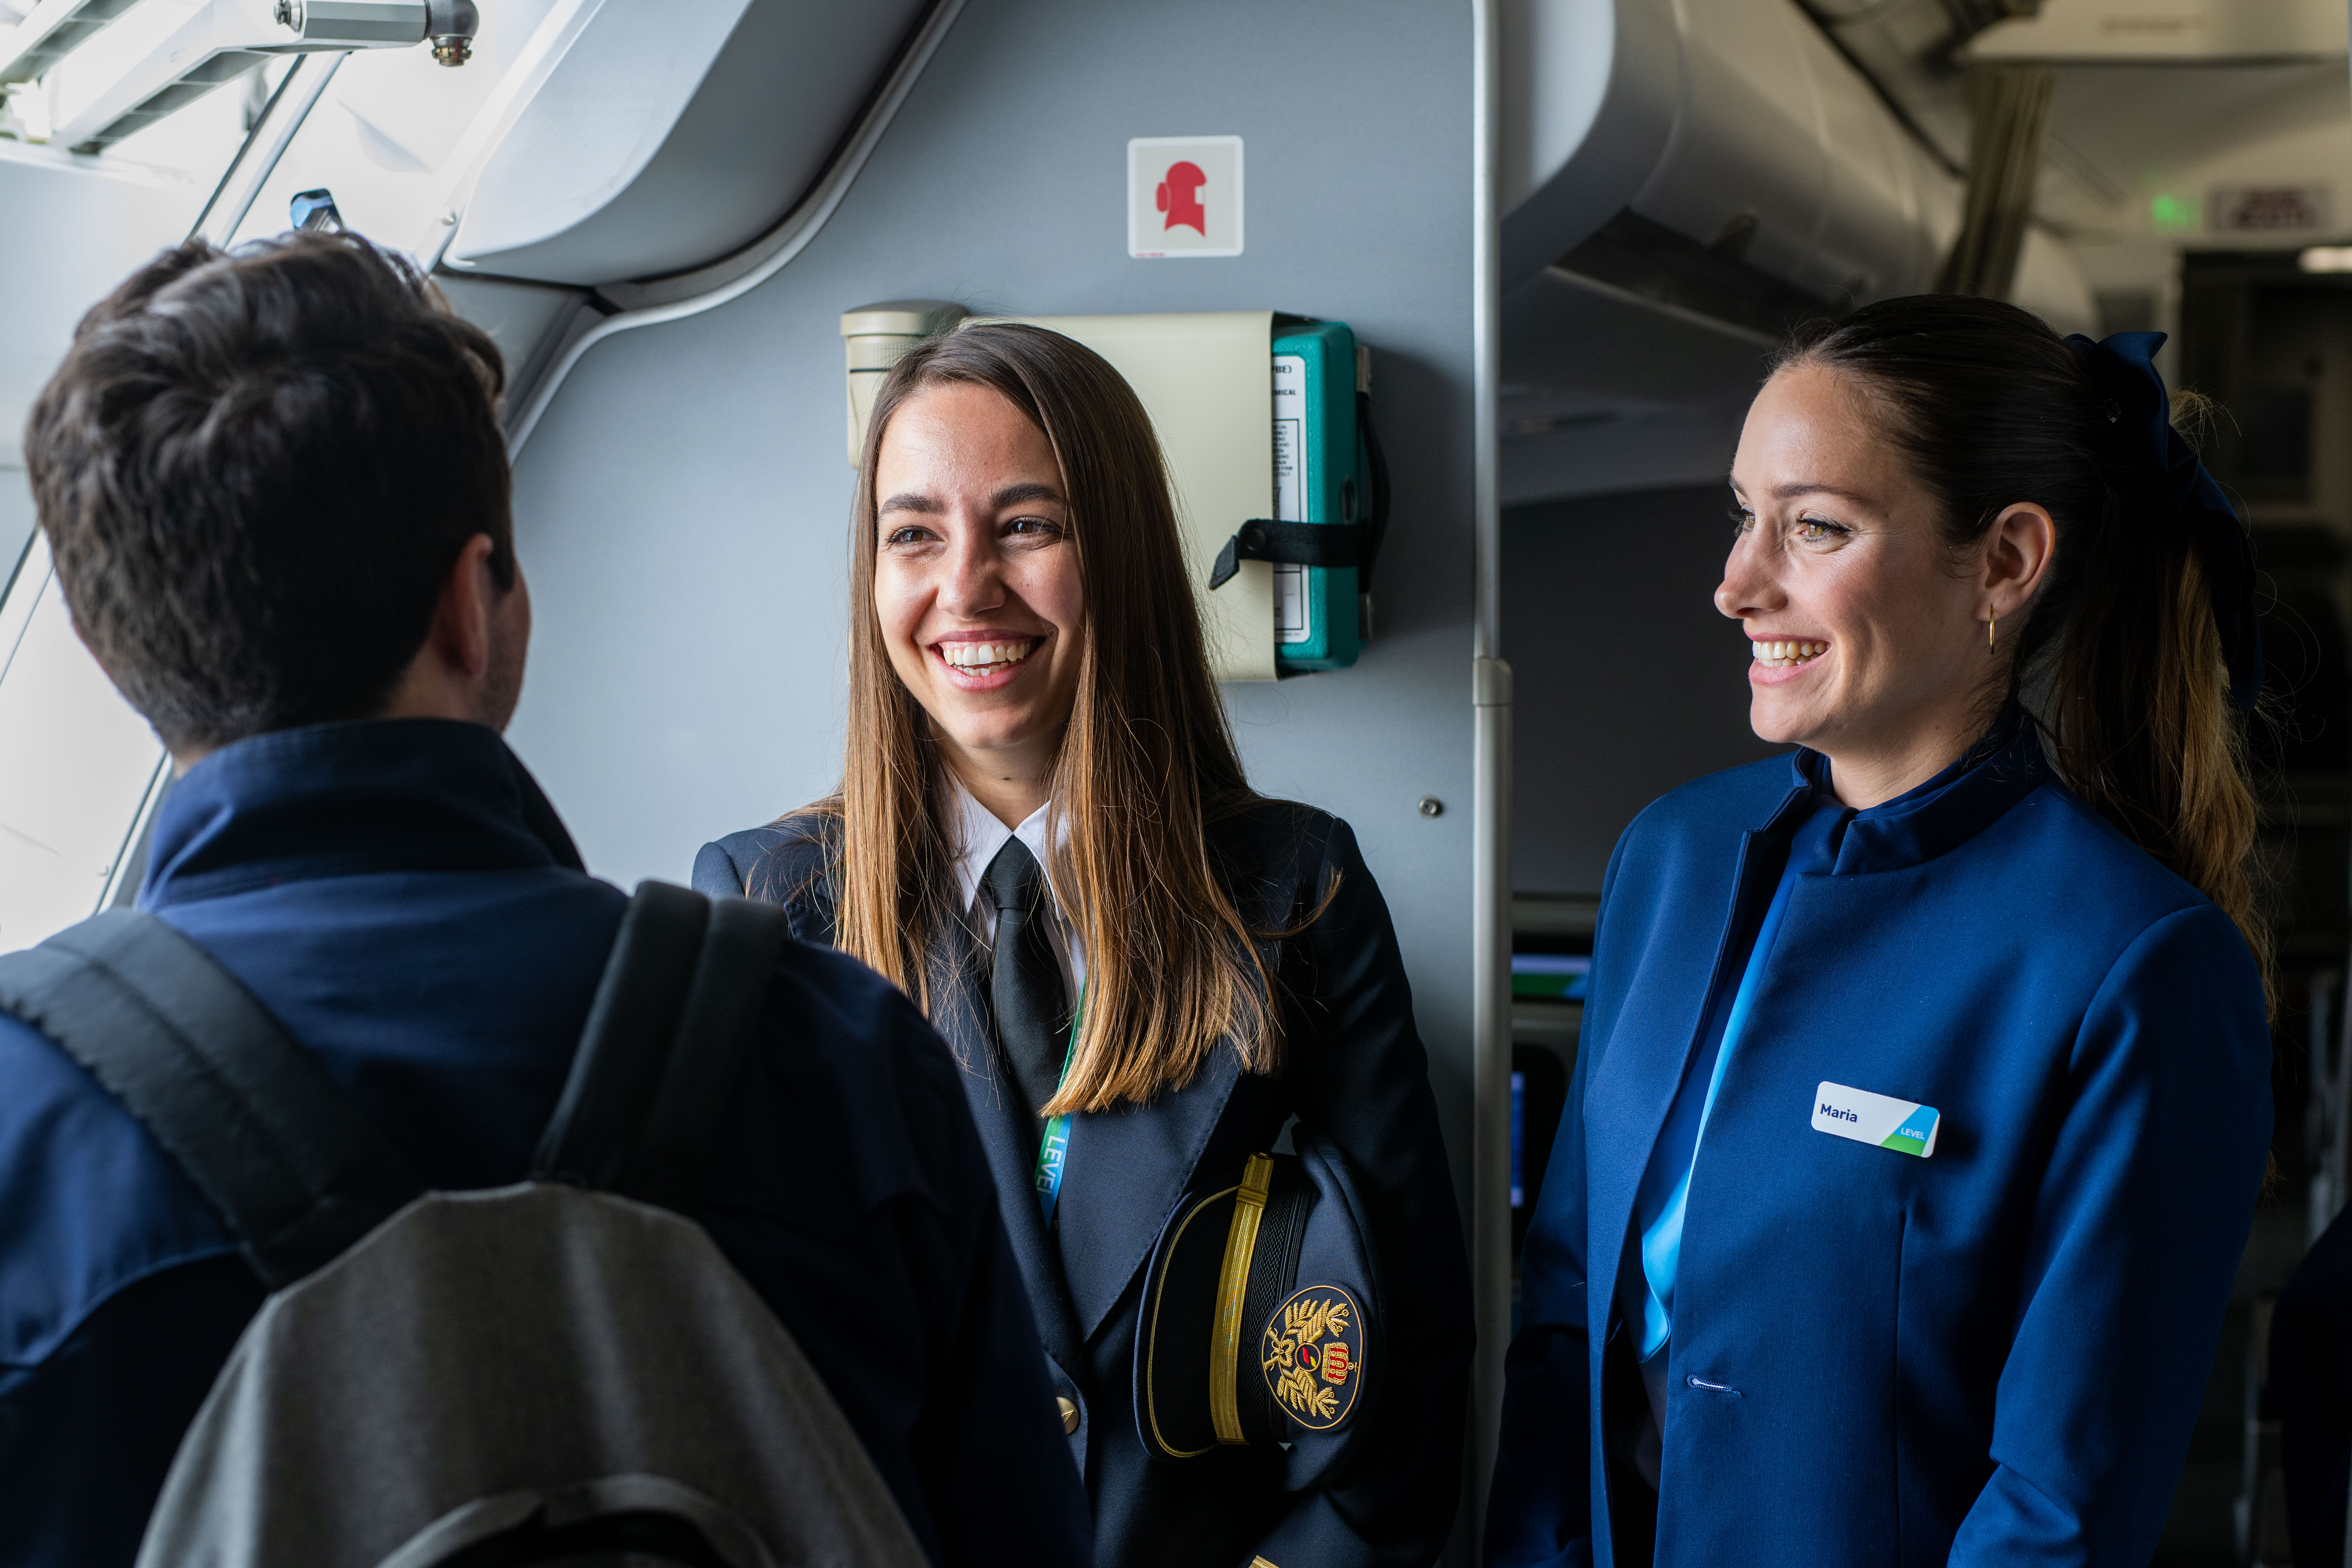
{"x": 788, "y": 239}
{"x": 1490, "y": 833}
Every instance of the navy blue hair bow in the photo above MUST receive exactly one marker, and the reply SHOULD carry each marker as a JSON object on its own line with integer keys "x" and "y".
{"x": 2165, "y": 479}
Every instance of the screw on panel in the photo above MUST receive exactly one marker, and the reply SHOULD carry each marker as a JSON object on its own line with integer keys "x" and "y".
{"x": 1430, "y": 806}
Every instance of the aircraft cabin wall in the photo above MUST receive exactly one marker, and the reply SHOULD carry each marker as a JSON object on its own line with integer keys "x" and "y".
{"x": 1625, "y": 682}
{"x": 682, "y": 506}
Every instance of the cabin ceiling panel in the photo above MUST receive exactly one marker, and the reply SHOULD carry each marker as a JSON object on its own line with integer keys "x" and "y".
{"x": 2186, "y": 85}
{"x": 2176, "y": 32}
{"x": 2127, "y": 136}
{"x": 668, "y": 136}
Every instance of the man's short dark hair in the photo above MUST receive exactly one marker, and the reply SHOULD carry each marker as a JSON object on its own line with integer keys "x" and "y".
{"x": 256, "y": 468}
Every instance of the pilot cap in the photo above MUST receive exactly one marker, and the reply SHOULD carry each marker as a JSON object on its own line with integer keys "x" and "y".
{"x": 1261, "y": 1317}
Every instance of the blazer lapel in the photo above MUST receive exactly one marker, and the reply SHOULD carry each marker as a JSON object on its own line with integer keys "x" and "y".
{"x": 1637, "y": 1075}
{"x": 1007, "y": 1132}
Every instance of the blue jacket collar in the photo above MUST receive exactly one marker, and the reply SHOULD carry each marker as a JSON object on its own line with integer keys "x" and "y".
{"x": 1939, "y": 815}
{"x": 340, "y": 800}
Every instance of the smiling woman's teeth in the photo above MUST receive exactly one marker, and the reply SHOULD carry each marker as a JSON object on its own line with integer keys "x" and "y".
{"x": 1784, "y": 654}
{"x": 985, "y": 658}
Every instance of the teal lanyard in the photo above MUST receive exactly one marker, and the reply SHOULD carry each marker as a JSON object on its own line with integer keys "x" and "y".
{"x": 1054, "y": 1147}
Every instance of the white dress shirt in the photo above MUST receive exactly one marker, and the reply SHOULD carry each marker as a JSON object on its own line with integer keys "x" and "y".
{"x": 978, "y": 835}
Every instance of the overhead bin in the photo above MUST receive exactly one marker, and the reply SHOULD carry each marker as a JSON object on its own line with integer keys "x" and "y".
{"x": 1732, "y": 124}
{"x": 1681, "y": 181}
{"x": 1605, "y": 391}
{"x": 667, "y": 136}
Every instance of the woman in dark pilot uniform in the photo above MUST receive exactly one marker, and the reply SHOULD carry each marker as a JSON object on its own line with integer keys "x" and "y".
{"x": 1042, "y": 821}
{"x": 1924, "y": 1096}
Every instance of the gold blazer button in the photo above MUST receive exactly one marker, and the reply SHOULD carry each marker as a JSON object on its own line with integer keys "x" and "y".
{"x": 1069, "y": 1412}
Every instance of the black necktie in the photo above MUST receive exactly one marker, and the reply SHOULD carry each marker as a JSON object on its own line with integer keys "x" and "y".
{"x": 1033, "y": 1015}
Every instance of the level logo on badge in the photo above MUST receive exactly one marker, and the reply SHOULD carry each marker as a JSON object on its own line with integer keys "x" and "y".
{"x": 1880, "y": 1120}
{"x": 1184, "y": 196}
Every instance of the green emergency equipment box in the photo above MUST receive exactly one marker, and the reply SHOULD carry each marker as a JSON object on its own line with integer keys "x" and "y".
{"x": 1330, "y": 498}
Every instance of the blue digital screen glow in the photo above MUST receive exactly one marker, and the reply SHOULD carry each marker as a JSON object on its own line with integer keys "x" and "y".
{"x": 1518, "y": 1138}
{"x": 1556, "y": 976}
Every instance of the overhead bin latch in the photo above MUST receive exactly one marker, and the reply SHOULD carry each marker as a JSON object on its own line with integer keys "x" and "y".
{"x": 450, "y": 24}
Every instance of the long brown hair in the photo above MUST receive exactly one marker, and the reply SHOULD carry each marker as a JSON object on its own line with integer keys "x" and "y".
{"x": 1990, "y": 407}
{"x": 1147, "y": 760}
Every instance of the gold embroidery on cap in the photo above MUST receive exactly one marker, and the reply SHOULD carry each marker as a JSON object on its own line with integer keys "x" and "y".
{"x": 1312, "y": 1356}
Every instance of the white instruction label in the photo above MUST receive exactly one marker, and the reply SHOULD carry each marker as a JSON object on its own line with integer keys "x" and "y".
{"x": 1292, "y": 612}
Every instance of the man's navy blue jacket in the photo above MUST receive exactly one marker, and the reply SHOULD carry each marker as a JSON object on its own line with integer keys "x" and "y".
{"x": 1990, "y": 1355}
{"x": 402, "y": 897}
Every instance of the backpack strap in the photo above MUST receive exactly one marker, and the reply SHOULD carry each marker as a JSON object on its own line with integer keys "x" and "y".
{"x": 250, "y": 1117}
{"x": 667, "y": 1039}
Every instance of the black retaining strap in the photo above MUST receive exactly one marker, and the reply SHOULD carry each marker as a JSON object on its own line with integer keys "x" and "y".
{"x": 242, "y": 1109}
{"x": 671, "y": 1028}
{"x": 1290, "y": 543}
{"x": 1356, "y": 545}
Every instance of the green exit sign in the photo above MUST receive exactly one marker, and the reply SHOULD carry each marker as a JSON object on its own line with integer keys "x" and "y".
{"x": 2174, "y": 213}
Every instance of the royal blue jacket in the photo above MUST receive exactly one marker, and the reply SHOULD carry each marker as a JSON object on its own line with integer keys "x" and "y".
{"x": 400, "y": 895}
{"x": 1992, "y": 1355}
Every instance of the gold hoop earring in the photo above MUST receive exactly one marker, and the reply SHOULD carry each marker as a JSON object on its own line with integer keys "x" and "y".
{"x": 1990, "y": 620}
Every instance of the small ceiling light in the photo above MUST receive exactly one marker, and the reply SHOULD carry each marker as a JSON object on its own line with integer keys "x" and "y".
{"x": 2325, "y": 258}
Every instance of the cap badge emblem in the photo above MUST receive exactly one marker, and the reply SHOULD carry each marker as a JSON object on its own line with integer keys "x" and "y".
{"x": 1313, "y": 1356}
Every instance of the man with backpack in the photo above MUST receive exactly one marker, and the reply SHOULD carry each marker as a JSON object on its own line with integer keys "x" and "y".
{"x": 328, "y": 1075}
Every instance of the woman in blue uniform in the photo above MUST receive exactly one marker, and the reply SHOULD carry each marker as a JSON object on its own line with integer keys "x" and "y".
{"x": 1044, "y": 834}
{"x": 1924, "y": 1096}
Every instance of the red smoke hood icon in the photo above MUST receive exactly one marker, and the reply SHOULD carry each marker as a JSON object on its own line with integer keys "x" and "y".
{"x": 1177, "y": 200}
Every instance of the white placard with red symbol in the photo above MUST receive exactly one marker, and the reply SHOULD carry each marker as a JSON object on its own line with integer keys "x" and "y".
{"x": 1184, "y": 196}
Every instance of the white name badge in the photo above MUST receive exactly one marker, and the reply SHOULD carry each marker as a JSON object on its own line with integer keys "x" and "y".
{"x": 1875, "y": 1118}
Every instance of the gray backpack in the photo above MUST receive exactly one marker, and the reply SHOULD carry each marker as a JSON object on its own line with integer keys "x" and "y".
{"x": 567, "y": 1371}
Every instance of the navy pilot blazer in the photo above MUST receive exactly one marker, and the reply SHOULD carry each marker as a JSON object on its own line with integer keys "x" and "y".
{"x": 1354, "y": 1072}
{"x": 1992, "y": 1355}
{"x": 402, "y": 897}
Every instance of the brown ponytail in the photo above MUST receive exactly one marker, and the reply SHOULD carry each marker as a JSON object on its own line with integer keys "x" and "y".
{"x": 2119, "y": 656}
